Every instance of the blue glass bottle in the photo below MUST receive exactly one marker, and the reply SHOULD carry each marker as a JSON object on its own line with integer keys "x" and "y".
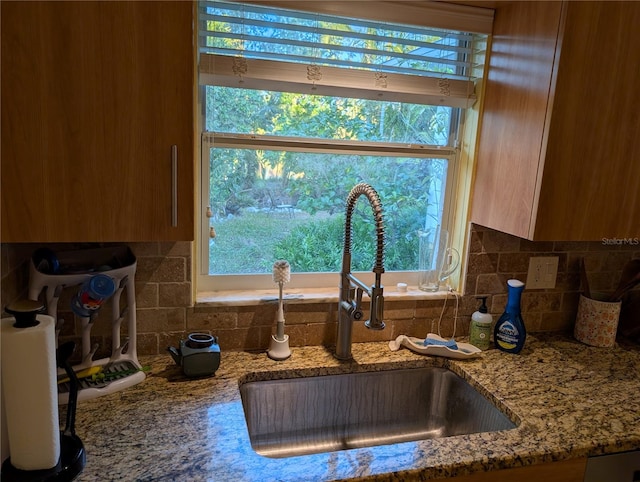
{"x": 509, "y": 333}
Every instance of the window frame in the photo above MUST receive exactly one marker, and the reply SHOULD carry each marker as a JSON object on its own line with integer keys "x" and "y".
{"x": 207, "y": 282}
{"x": 460, "y": 155}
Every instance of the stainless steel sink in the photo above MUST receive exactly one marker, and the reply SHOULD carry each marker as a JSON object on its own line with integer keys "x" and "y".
{"x": 337, "y": 412}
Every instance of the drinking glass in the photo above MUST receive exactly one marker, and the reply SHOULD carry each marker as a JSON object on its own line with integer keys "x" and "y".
{"x": 436, "y": 260}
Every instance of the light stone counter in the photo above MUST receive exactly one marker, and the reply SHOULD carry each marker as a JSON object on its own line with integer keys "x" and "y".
{"x": 570, "y": 401}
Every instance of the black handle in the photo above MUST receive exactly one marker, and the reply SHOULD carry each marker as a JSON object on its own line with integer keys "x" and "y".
{"x": 63, "y": 353}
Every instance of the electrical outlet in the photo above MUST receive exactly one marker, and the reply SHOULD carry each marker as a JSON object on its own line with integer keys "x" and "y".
{"x": 542, "y": 273}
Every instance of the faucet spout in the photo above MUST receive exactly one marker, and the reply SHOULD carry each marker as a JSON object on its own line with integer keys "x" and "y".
{"x": 351, "y": 288}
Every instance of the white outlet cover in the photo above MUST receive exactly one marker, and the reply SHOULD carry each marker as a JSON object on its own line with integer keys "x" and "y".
{"x": 543, "y": 271}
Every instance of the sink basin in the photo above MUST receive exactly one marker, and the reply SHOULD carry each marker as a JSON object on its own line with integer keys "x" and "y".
{"x": 316, "y": 414}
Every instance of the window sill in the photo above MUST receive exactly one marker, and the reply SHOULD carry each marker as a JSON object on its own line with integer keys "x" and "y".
{"x": 303, "y": 296}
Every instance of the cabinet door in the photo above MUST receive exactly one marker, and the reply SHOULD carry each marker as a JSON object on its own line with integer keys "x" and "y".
{"x": 558, "y": 156}
{"x": 565, "y": 471}
{"x": 591, "y": 185}
{"x": 513, "y": 125}
{"x": 94, "y": 96}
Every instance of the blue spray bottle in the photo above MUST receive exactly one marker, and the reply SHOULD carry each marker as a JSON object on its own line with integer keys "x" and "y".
{"x": 509, "y": 333}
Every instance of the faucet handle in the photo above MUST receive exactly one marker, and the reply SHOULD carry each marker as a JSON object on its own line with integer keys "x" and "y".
{"x": 352, "y": 309}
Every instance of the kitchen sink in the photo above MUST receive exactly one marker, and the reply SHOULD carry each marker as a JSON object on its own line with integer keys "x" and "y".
{"x": 315, "y": 414}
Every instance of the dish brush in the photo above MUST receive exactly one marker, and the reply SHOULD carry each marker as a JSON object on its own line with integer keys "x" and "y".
{"x": 279, "y": 347}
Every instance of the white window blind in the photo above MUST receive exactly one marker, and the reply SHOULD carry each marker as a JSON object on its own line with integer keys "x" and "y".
{"x": 261, "y": 47}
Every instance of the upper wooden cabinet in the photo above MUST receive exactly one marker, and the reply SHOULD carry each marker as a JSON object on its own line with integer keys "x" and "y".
{"x": 95, "y": 95}
{"x": 558, "y": 154}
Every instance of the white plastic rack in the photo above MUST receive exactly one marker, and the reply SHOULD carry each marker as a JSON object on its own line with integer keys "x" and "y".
{"x": 55, "y": 272}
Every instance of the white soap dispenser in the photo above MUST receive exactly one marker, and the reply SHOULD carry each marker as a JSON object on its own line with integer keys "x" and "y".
{"x": 480, "y": 327}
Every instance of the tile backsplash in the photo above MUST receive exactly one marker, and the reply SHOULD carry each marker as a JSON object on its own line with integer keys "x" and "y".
{"x": 165, "y": 314}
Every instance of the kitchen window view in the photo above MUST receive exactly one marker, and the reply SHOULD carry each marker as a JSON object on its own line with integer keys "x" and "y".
{"x": 300, "y": 107}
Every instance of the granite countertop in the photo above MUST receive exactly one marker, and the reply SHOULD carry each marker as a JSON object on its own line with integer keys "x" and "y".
{"x": 569, "y": 400}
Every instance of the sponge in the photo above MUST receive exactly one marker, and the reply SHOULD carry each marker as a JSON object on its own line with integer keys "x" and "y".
{"x": 433, "y": 339}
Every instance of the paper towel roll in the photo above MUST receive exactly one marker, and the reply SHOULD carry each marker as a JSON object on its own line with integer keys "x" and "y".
{"x": 30, "y": 393}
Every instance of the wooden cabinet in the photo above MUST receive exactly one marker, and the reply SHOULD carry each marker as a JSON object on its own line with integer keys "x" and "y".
{"x": 558, "y": 155}
{"x": 565, "y": 471}
{"x": 94, "y": 97}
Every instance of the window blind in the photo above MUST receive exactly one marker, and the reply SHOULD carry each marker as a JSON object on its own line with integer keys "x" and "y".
{"x": 256, "y": 46}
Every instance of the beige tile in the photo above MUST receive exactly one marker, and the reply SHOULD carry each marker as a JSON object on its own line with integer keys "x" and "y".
{"x": 615, "y": 260}
{"x": 297, "y": 334}
{"x": 418, "y": 328}
{"x": 470, "y": 284}
{"x": 147, "y": 344}
{"x": 469, "y": 304}
{"x": 513, "y": 262}
{"x": 568, "y": 281}
{"x": 536, "y": 301}
{"x": 303, "y": 317}
{"x": 494, "y": 241}
{"x": 491, "y": 283}
{"x": 570, "y": 301}
{"x": 145, "y": 249}
{"x": 595, "y": 261}
{"x": 258, "y": 315}
{"x": 498, "y": 303}
{"x": 430, "y": 310}
{"x": 532, "y": 321}
{"x": 462, "y": 327}
{"x": 164, "y": 271}
{"x": 475, "y": 242}
{"x": 146, "y": 295}
{"x": 159, "y": 269}
{"x": 322, "y": 334}
{"x": 446, "y": 328}
{"x": 482, "y": 263}
{"x": 174, "y": 294}
{"x": 243, "y": 339}
{"x": 401, "y": 310}
{"x": 156, "y": 320}
{"x": 212, "y": 320}
{"x": 570, "y": 246}
{"x": 177, "y": 248}
{"x": 598, "y": 246}
{"x": 558, "y": 321}
{"x": 604, "y": 281}
{"x": 535, "y": 246}
{"x": 361, "y": 333}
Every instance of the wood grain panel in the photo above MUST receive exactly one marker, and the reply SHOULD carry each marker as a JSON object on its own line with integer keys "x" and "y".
{"x": 565, "y": 471}
{"x": 515, "y": 107}
{"x": 591, "y": 188}
{"x": 94, "y": 95}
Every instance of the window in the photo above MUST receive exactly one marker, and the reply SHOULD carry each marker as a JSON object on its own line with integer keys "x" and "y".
{"x": 298, "y": 107}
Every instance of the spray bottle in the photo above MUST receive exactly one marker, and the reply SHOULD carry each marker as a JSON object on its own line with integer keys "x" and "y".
{"x": 509, "y": 333}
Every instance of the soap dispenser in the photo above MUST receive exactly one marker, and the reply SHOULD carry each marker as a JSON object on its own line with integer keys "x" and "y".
{"x": 510, "y": 333}
{"x": 480, "y": 327}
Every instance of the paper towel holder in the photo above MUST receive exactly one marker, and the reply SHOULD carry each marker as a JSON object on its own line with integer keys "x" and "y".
{"x": 72, "y": 454}
{"x": 24, "y": 312}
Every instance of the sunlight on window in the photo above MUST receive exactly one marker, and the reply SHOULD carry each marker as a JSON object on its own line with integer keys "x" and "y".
{"x": 271, "y": 205}
{"x": 299, "y": 107}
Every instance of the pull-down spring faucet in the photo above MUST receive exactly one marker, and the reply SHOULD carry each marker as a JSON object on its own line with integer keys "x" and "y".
{"x": 349, "y": 309}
